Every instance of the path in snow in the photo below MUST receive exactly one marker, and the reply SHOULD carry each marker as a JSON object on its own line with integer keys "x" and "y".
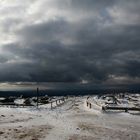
{"x": 70, "y": 121}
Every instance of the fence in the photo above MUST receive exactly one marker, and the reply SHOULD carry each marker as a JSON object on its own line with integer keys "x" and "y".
{"x": 126, "y": 109}
{"x": 58, "y": 102}
{"x": 104, "y": 108}
{"x": 53, "y": 104}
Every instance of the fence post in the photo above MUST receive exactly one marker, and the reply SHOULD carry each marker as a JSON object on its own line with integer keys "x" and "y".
{"x": 37, "y": 96}
{"x": 90, "y": 105}
{"x": 126, "y": 110}
{"x": 103, "y": 108}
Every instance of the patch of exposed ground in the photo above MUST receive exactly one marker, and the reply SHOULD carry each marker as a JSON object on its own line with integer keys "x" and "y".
{"x": 83, "y": 137}
{"x": 25, "y": 133}
{"x": 17, "y": 120}
{"x": 108, "y": 133}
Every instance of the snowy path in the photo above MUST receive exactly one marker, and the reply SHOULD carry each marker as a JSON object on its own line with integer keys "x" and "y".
{"x": 70, "y": 121}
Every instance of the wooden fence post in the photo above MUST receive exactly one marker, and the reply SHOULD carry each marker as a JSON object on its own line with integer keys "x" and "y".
{"x": 37, "y": 96}
{"x": 126, "y": 110}
{"x": 90, "y": 105}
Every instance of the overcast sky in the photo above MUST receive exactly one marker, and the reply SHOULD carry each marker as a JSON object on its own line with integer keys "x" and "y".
{"x": 81, "y": 41}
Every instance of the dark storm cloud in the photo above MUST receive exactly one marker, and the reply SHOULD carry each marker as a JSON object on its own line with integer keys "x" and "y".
{"x": 71, "y": 49}
{"x": 90, "y": 4}
{"x": 3, "y": 59}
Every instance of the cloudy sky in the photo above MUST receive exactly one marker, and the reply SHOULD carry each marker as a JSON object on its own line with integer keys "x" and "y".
{"x": 84, "y": 41}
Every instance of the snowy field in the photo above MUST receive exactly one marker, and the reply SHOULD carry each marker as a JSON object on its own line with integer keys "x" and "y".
{"x": 73, "y": 120}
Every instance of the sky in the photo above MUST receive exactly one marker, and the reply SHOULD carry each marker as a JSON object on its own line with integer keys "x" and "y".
{"x": 76, "y": 41}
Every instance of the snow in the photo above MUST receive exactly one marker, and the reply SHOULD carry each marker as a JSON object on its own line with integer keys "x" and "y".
{"x": 19, "y": 101}
{"x": 72, "y": 120}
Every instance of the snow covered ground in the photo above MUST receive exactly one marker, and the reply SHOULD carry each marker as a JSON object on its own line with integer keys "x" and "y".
{"x": 72, "y": 120}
